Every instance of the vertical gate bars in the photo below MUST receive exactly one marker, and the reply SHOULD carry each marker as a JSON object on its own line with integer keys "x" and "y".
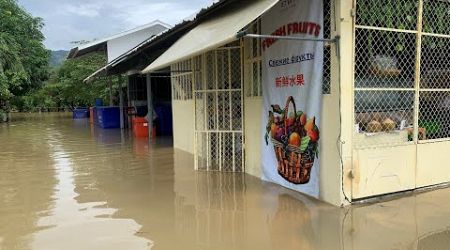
{"x": 217, "y": 141}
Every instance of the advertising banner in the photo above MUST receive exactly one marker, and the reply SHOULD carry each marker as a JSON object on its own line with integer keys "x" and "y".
{"x": 292, "y": 91}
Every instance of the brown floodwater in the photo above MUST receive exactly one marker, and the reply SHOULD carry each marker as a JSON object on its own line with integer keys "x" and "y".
{"x": 67, "y": 185}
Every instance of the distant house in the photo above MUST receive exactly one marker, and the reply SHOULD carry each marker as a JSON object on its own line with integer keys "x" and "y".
{"x": 116, "y": 45}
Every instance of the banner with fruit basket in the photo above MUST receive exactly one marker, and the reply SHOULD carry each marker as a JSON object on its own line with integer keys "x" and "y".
{"x": 292, "y": 91}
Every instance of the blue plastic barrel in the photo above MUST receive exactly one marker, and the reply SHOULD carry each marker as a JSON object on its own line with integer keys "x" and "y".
{"x": 108, "y": 117}
{"x": 98, "y": 102}
{"x": 80, "y": 113}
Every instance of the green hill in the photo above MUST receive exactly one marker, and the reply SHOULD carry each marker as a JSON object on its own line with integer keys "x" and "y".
{"x": 57, "y": 57}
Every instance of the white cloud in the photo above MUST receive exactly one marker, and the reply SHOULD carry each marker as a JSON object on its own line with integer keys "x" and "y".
{"x": 87, "y": 10}
{"x": 74, "y": 20}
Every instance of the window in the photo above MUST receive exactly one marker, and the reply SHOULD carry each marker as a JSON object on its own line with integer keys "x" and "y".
{"x": 181, "y": 79}
{"x": 253, "y": 61}
{"x": 399, "y": 87}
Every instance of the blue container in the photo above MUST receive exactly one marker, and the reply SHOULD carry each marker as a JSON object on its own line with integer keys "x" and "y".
{"x": 80, "y": 113}
{"x": 98, "y": 102}
{"x": 164, "y": 122}
{"x": 108, "y": 117}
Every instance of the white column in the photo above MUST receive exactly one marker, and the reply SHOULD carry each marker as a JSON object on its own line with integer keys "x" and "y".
{"x": 149, "y": 106}
{"x": 121, "y": 102}
{"x": 110, "y": 91}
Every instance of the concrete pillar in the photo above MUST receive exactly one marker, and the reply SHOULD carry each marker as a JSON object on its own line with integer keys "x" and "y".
{"x": 111, "y": 102}
{"x": 149, "y": 107}
{"x": 127, "y": 82}
{"x": 121, "y": 102}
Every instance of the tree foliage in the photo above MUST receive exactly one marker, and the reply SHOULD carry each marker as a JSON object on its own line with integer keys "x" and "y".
{"x": 23, "y": 57}
{"x": 26, "y": 80}
{"x": 70, "y": 76}
{"x": 66, "y": 88}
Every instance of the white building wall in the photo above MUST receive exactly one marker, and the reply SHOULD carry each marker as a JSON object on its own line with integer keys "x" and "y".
{"x": 253, "y": 140}
{"x": 183, "y": 125}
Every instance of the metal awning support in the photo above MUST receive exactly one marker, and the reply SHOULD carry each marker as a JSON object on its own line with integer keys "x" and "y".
{"x": 334, "y": 40}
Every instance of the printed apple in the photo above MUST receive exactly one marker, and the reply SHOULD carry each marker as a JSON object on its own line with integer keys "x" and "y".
{"x": 290, "y": 122}
{"x": 279, "y": 134}
{"x": 294, "y": 139}
{"x": 314, "y": 135}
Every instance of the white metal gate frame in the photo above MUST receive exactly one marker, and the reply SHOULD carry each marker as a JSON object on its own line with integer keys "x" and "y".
{"x": 201, "y": 123}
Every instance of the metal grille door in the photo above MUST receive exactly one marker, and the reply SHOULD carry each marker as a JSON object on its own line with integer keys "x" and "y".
{"x": 218, "y": 110}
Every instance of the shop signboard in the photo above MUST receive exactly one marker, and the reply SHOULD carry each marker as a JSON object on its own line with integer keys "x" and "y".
{"x": 292, "y": 91}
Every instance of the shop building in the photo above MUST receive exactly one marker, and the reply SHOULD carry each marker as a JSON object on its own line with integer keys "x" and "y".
{"x": 385, "y": 105}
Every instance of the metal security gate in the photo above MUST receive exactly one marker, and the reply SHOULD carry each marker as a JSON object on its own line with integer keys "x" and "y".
{"x": 217, "y": 80}
{"x": 401, "y": 95}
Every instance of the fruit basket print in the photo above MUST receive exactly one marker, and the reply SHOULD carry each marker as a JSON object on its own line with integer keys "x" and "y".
{"x": 295, "y": 139}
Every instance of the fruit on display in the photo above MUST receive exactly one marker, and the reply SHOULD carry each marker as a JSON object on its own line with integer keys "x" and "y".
{"x": 293, "y": 129}
{"x": 279, "y": 134}
{"x": 374, "y": 126}
{"x": 303, "y": 119}
{"x": 310, "y": 124}
{"x": 295, "y": 139}
{"x": 314, "y": 135}
{"x": 389, "y": 124}
{"x": 290, "y": 121}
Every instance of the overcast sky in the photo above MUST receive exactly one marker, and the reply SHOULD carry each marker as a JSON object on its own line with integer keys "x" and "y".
{"x": 75, "y": 20}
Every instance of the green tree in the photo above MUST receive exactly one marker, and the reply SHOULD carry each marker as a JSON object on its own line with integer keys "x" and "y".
{"x": 69, "y": 78}
{"x": 23, "y": 57}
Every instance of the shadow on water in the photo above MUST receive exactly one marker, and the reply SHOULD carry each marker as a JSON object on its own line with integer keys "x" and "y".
{"x": 73, "y": 186}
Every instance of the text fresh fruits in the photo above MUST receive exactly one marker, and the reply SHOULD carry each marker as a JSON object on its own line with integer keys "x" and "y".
{"x": 294, "y": 139}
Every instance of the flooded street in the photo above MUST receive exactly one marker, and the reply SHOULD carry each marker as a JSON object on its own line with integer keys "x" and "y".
{"x": 66, "y": 185}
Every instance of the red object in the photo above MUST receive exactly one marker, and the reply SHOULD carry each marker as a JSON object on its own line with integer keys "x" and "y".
{"x": 140, "y": 127}
{"x": 91, "y": 115}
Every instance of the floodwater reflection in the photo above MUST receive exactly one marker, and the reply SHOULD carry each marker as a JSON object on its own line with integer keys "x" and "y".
{"x": 67, "y": 185}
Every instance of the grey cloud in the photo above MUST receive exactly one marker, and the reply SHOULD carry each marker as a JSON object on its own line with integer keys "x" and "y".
{"x": 74, "y": 20}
